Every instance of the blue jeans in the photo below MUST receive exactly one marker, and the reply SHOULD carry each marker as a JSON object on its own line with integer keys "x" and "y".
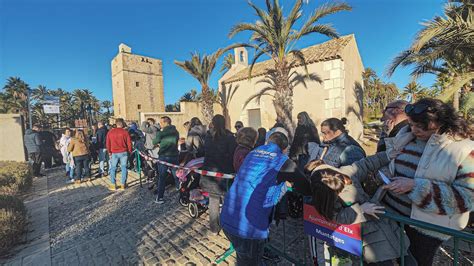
{"x": 70, "y": 169}
{"x": 249, "y": 251}
{"x": 162, "y": 171}
{"x": 103, "y": 157}
{"x": 123, "y": 158}
{"x": 81, "y": 164}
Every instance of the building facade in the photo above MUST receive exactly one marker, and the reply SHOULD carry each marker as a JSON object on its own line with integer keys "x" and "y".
{"x": 336, "y": 62}
{"x": 137, "y": 84}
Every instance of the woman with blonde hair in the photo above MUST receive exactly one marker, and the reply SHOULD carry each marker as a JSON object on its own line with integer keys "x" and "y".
{"x": 79, "y": 148}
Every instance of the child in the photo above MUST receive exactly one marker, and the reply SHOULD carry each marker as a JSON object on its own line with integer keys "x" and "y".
{"x": 340, "y": 198}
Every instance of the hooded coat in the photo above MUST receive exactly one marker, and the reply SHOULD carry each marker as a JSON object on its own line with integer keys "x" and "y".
{"x": 32, "y": 141}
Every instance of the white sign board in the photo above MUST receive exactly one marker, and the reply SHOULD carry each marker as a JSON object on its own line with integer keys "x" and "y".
{"x": 51, "y": 109}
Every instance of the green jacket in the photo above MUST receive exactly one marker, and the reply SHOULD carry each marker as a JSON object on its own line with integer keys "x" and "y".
{"x": 167, "y": 138}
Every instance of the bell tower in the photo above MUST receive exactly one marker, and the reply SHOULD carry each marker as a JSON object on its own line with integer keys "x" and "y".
{"x": 137, "y": 84}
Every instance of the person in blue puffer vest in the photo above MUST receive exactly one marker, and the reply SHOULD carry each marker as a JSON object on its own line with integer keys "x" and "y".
{"x": 249, "y": 204}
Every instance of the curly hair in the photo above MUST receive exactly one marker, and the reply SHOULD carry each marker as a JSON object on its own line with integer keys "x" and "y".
{"x": 442, "y": 114}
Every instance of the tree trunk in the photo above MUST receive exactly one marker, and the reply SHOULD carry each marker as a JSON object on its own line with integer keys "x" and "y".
{"x": 283, "y": 98}
{"x": 207, "y": 105}
{"x": 456, "y": 101}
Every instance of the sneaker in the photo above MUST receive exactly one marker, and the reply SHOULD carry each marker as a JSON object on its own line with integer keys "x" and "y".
{"x": 98, "y": 176}
{"x": 112, "y": 187}
{"x": 77, "y": 182}
{"x": 70, "y": 181}
{"x": 122, "y": 187}
{"x": 159, "y": 201}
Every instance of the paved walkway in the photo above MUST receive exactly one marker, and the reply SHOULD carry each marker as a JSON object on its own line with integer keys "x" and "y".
{"x": 90, "y": 225}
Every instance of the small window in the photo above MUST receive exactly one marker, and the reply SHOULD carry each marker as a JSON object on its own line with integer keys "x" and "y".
{"x": 139, "y": 106}
{"x": 137, "y": 84}
{"x": 241, "y": 56}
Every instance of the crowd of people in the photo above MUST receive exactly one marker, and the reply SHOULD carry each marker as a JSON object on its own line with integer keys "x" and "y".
{"x": 425, "y": 150}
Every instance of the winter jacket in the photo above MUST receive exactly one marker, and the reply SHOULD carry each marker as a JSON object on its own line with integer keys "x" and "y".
{"x": 63, "y": 144}
{"x": 219, "y": 155}
{"x": 168, "y": 141}
{"x": 77, "y": 148}
{"x": 303, "y": 135}
{"x": 443, "y": 191}
{"x": 239, "y": 156}
{"x": 381, "y": 237}
{"x": 248, "y": 205}
{"x": 150, "y": 134}
{"x": 118, "y": 140}
{"x": 381, "y": 144}
{"x": 195, "y": 141}
{"x": 48, "y": 140}
{"x": 343, "y": 150}
{"x": 32, "y": 141}
{"x": 101, "y": 137}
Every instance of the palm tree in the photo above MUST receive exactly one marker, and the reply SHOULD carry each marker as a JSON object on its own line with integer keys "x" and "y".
{"x": 229, "y": 60}
{"x": 412, "y": 91}
{"x": 15, "y": 96}
{"x": 38, "y": 94}
{"x": 107, "y": 105}
{"x": 442, "y": 42}
{"x": 201, "y": 67}
{"x": 189, "y": 97}
{"x": 225, "y": 95}
{"x": 275, "y": 36}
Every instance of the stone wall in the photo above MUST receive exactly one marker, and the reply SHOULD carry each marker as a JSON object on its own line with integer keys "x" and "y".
{"x": 188, "y": 111}
{"x": 11, "y": 138}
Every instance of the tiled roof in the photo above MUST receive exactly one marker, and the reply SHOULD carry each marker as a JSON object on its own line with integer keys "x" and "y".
{"x": 320, "y": 52}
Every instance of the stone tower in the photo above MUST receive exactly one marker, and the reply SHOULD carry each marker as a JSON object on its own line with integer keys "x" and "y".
{"x": 137, "y": 84}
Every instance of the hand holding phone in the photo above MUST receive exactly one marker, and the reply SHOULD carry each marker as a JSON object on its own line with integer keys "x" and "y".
{"x": 385, "y": 179}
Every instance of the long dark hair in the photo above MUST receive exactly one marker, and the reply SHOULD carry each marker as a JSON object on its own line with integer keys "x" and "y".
{"x": 334, "y": 124}
{"x": 326, "y": 184}
{"x": 218, "y": 130}
{"x": 194, "y": 122}
{"x": 429, "y": 110}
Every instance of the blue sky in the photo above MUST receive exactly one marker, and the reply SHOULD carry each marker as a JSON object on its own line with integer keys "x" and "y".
{"x": 69, "y": 43}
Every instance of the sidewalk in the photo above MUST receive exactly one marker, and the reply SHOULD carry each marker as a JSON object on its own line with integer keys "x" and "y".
{"x": 36, "y": 249}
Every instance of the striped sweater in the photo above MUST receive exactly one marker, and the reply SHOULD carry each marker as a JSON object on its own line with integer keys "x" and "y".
{"x": 429, "y": 195}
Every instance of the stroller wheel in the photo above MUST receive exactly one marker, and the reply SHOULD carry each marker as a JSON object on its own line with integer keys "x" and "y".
{"x": 183, "y": 201}
{"x": 193, "y": 210}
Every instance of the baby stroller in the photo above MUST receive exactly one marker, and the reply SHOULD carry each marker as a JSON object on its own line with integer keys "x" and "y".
{"x": 190, "y": 195}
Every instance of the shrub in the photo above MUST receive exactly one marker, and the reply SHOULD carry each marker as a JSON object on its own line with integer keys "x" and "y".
{"x": 13, "y": 222}
{"x": 14, "y": 177}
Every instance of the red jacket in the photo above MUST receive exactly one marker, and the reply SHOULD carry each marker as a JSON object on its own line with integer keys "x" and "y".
{"x": 118, "y": 140}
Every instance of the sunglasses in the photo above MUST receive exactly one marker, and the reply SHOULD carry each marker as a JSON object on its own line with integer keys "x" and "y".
{"x": 417, "y": 109}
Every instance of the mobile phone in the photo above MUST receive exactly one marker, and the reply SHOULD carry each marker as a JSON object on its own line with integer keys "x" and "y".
{"x": 385, "y": 179}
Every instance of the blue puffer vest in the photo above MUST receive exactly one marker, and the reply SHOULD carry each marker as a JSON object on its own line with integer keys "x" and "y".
{"x": 343, "y": 150}
{"x": 250, "y": 200}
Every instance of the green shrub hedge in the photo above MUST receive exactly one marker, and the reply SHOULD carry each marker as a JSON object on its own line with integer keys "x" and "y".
{"x": 15, "y": 177}
{"x": 13, "y": 222}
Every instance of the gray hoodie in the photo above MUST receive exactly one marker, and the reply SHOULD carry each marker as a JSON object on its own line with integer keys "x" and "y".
{"x": 150, "y": 134}
{"x": 32, "y": 141}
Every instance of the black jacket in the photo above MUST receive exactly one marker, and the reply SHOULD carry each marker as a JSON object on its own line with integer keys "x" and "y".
{"x": 101, "y": 136}
{"x": 32, "y": 141}
{"x": 219, "y": 155}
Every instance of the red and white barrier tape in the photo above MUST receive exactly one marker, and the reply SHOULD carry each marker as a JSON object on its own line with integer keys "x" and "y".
{"x": 199, "y": 171}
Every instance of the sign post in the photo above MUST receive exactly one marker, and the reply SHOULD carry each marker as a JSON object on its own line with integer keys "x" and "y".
{"x": 51, "y": 104}
{"x": 345, "y": 237}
